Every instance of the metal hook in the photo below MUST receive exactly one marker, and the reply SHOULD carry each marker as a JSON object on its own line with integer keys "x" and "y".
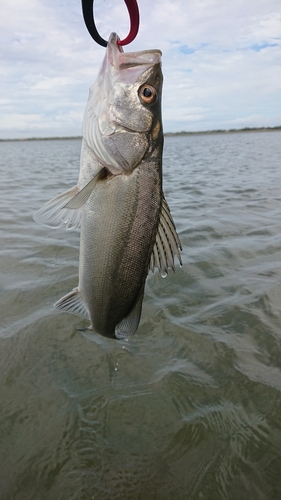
{"x": 88, "y": 14}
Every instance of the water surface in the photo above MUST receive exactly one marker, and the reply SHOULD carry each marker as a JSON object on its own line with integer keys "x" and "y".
{"x": 190, "y": 407}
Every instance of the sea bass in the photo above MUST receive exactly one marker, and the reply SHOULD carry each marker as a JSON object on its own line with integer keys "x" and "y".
{"x": 126, "y": 225}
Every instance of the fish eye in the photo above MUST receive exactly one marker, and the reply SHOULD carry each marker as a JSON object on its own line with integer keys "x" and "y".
{"x": 147, "y": 94}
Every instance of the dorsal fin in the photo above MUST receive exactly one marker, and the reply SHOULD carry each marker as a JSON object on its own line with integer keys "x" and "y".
{"x": 167, "y": 243}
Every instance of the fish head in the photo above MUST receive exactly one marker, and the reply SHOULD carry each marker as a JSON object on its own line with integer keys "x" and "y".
{"x": 123, "y": 113}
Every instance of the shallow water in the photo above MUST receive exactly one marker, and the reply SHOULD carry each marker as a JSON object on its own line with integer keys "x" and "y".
{"x": 190, "y": 407}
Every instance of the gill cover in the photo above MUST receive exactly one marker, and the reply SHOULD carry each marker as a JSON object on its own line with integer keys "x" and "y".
{"x": 116, "y": 121}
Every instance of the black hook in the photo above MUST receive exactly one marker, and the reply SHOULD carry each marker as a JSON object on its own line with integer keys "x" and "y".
{"x": 88, "y": 14}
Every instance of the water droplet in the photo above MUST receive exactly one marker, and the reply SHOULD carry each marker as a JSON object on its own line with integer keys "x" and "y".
{"x": 163, "y": 274}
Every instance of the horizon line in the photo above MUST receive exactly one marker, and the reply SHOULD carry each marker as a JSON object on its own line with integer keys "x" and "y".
{"x": 168, "y": 134}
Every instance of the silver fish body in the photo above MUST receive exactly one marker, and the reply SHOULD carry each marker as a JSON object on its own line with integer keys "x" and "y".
{"x": 126, "y": 225}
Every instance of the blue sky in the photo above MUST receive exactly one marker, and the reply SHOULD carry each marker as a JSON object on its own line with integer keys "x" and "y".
{"x": 221, "y": 62}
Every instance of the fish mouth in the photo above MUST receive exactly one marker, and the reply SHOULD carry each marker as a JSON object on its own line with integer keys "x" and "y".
{"x": 114, "y": 117}
{"x": 130, "y": 65}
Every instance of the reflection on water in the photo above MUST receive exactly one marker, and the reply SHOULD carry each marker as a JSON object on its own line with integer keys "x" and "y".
{"x": 190, "y": 407}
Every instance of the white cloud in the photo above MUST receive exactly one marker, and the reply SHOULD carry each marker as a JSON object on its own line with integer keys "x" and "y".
{"x": 221, "y": 62}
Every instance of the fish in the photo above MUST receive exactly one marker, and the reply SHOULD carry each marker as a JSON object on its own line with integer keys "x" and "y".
{"x": 126, "y": 228}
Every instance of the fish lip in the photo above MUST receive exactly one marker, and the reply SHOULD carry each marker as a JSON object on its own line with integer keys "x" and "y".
{"x": 120, "y": 59}
{"x": 119, "y": 70}
{"x": 112, "y": 42}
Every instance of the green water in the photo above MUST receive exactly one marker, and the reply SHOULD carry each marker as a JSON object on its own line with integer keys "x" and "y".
{"x": 190, "y": 407}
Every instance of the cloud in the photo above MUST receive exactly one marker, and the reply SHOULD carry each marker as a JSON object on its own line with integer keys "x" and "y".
{"x": 221, "y": 62}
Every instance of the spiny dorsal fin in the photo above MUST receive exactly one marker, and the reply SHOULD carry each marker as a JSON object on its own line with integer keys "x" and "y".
{"x": 167, "y": 243}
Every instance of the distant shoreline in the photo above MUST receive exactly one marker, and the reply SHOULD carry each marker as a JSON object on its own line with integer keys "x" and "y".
{"x": 166, "y": 134}
{"x": 222, "y": 131}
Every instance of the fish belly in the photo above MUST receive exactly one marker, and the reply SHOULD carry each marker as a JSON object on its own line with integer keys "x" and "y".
{"x": 118, "y": 231}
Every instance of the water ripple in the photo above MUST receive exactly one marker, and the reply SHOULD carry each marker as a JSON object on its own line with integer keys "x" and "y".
{"x": 190, "y": 406}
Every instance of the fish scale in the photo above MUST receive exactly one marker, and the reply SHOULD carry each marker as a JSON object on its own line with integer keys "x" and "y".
{"x": 120, "y": 268}
{"x": 118, "y": 202}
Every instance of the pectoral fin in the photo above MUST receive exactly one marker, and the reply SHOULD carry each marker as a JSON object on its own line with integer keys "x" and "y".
{"x": 53, "y": 213}
{"x": 82, "y": 196}
{"x": 64, "y": 210}
{"x": 167, "y": 243}
{"x": 128, "y": 326}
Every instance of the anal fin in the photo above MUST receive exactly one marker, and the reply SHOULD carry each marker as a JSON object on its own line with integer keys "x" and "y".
{"x": 73, "y": 303}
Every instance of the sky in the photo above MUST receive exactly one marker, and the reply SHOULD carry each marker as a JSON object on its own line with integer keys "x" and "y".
{"x": 221, "y": 62}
